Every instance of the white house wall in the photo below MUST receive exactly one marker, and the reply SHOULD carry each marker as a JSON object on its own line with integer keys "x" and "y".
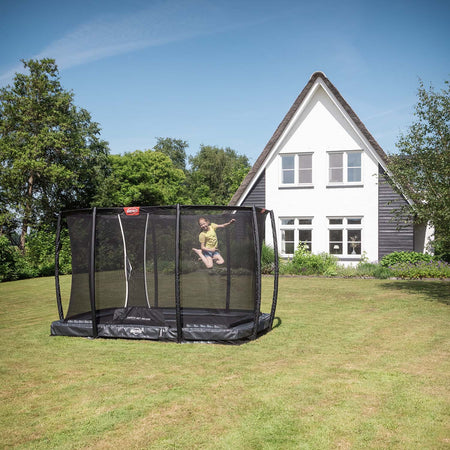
{"x": 317, "y": 128}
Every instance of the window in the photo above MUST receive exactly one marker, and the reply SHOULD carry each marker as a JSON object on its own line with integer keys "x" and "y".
{"x": 294, "y": 231}
{"x": 305, "y": 168}
{"x": 296, "y": 170}
{"x": 344, "y": 167}
{"x": 288, "y": 169}
{"x": 345, "y": 236}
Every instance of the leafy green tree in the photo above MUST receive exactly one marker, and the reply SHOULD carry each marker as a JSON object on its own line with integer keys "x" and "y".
{"x": 51, "y": 156}
{"x": 422, "y": 166}
{"x": 215, "y": 174}
{"x": 175, "y": 149}
{"x": 142, "y": 178}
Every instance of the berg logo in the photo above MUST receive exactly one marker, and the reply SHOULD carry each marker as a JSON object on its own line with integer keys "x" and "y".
{"x": 136, "y": 331}
{"x": 132, "y": 211}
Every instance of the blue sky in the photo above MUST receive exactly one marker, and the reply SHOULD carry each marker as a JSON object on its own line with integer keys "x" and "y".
{"x": 226, "y": 72}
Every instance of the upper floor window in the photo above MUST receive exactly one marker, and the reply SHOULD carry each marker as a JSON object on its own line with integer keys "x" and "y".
{"x": 344, "y": 167}
{"x": 296, "y": 169}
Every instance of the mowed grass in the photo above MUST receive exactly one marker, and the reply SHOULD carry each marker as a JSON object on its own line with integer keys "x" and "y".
{"x": 351, "y": 364}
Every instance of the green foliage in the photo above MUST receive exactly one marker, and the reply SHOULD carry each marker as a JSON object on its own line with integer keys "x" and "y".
{"x": 175, "y": 149}
{"x": 441, "y": 251}
{"x": 51, "y": 157}
{"x": 141, "y": 178}
{"x": 9, "y": 258}
{"x": 215, "y": 174}
{"x": 404, "y": 257}
{"x": 422, "y": 166}
{"x": 307, "y": 263}
{"x": 267, "y": 259}
{"x": 39, "y": 259}
{"x": 367, "y": 269}
{"x": 421, "y": 269}
{"x": 40, "y": 253}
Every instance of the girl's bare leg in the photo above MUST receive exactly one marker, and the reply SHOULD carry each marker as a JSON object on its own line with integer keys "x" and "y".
{"x": 218, "y": 259}
{"x": 207, "y": 260}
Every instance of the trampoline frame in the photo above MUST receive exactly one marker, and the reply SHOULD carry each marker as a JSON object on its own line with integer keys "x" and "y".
{"x": 94, "y": 327}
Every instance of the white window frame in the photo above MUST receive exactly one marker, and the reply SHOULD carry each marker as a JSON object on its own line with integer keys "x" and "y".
{"x": 297, "y": 169}
{"x": 349, "y": 245}
{"x": 296, "y": 227}
{"x": 345, "y": 168}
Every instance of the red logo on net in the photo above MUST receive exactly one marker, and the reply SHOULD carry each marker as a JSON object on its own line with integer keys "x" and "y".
{"x": 132, "y": 211}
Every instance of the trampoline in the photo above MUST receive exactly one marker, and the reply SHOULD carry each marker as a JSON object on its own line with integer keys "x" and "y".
{"x": 135, "y": 274}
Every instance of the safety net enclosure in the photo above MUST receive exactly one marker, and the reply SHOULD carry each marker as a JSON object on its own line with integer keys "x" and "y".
{"x": 135, "y": 274}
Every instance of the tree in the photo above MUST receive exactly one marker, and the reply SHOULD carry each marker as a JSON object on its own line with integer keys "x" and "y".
{"x": 175, "y": 149}
{"x": 215, "y": 174}
{"x": 422, "y": 166}
{"x": 51, "y": 156}
{"x": 141, "y": 178}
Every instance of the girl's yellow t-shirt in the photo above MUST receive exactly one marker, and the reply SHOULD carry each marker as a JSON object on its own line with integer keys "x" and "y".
{"x": 209, "y": 238}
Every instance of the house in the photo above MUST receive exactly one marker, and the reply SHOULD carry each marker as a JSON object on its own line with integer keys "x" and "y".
{"x": 324, "y": 176}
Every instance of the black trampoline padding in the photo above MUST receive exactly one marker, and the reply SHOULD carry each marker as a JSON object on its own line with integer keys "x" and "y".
{"x": 160, "y": 324}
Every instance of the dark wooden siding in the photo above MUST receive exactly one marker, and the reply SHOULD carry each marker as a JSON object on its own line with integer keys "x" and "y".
{"x": 257, "y": 194}
{"x": 390, "y": 238}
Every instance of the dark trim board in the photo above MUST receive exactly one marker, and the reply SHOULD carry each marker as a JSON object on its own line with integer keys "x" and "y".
{"x": 257, "y": 194}
{"x": 391, "y": 238}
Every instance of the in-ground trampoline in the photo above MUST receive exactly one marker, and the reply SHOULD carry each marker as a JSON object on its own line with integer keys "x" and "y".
{"x": 135, "y": 275}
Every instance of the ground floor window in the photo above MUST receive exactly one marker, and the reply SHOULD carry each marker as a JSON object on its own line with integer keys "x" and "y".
{"x": 345, "y": 236}
{"x": 294, "y": 231}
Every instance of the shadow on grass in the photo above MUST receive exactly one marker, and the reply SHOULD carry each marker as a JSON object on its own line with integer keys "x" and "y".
{"x": 278, "y": 322}
{"x": 436, "y": 291}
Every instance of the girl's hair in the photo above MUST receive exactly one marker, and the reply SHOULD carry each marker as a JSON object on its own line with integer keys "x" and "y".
{"x": 204, "y": 218}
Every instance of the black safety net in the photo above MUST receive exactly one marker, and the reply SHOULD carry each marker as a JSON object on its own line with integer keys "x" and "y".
{"x": 146, "y": 278}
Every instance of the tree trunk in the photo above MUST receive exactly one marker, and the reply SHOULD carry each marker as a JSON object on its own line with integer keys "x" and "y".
{"x": 27, "y": 214}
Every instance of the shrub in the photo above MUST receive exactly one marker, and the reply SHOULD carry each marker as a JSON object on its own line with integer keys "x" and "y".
{"x": 286, "y": 267}
{"x": 307, "y": 263}
{"x": 405, "y": 257}
{"x": 39, "y": 259}
{"x": 14, "y": 265}
{"x": 40, "y": 253}
{"x": 421, "y": 269}
{"x": 267, "y": 259}
{"x": 9, "y": 257}
{"x": 373, "y": 270}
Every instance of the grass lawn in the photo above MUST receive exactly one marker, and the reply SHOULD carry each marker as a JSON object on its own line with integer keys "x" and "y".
{"x": 351, "y": 364}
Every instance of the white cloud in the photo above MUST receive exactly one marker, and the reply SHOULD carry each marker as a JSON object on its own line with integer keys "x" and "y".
{"x": 163, "y": 22}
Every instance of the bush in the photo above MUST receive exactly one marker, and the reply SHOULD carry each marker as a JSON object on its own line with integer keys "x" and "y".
{"x": 373, "y": 270}
{"x": 267, "y": 259}
{"x": 405, "y": 257}
{"x": 9, "y": 258}
{"x": 441, "y": 252}
{"x": 286, "y": 268}
{"x": 40, "y": 254}
{"x": 39, "y": 259}
{"x": 307, "y": 263}
{"x": 421, "y": 269}
{"x": 14, "y": 265}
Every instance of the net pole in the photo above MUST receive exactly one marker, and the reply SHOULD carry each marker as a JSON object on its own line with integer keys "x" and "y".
{"x": 257, "y": 274}
{"x": 125, "y": 262}
{"x": 276, "y": 269}
{"x": 92, "y": 275}
{"x": 145, "y": 260}
{"x": 57, "y": 285}
{"x": 177, "y": 275}
{"x": 227, "y": 301}
{"x": 155, "y": 264}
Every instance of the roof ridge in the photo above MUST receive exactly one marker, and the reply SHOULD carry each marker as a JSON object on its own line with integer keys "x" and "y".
{"x": 288, "y": 117}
